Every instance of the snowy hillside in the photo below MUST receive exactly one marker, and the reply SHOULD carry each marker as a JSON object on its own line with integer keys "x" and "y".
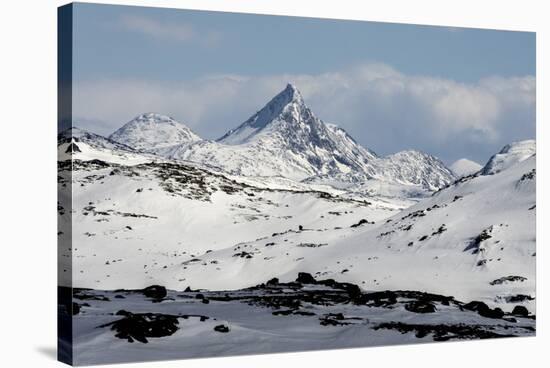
{"x": 76, "y": 143}
{"x": 139, "y": 221}
{"x": 153, "y": 132}
{"x": 464, "y": 167}
{"x": 132, "y": 218}
{"x": 460, "y": 242}
{"x": 510, "y": 155}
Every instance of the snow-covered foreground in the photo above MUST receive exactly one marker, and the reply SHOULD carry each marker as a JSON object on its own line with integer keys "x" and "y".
{"x": 152, "y": 324}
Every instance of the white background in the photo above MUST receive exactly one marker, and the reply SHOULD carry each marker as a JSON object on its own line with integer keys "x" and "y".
{"x": 28, "y": 179}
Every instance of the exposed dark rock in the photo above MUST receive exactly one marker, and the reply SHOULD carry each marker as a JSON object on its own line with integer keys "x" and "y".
{"x": 222, "y": 328}
{"x": 481, "y": 237}
{"x": 311, "y": 245}
{"x": 441, "y": 229}
{"x": 517, "y": 298}
{"x": 528, "y": 176}
{"x": 483, "y": 309}
{"x": 305, "y": 278}
{"x": 155, "y": 292}
{"x": 333, "y": 319}
{"x": 361, "y": 222}
{"x": 243, "y": 255}
{"x": 419, "y": 306}
{"x": 141, "y": 326}
{"x": 506, "y": 279}
{"x": 520, "y": 310}
{"x": 442, "y": 332}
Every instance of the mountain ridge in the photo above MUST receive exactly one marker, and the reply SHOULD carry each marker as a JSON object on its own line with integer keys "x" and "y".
{"x": 285, "y": 138}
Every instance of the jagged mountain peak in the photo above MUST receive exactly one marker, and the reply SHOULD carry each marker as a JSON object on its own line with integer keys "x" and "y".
{"x": 152, "y": 131}
{"x": 291, "y": 93}
{"x": 288, "y": 105}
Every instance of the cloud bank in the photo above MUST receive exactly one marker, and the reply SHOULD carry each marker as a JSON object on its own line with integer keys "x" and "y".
{"x": 381, "y": 107}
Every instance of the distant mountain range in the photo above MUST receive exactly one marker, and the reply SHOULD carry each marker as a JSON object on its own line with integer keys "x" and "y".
{"x": 286, "y": 139}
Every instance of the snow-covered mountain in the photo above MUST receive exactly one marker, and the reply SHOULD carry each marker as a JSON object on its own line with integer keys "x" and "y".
{"x": 464, "y": 167}
{"x": 406, "y": 174}
{"x": 509, "y": 156}
{"x": 285, "y": 139}
{"x": 153, "y": 132}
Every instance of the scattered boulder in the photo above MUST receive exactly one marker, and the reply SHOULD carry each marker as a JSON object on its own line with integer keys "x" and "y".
{"x": 140, "y": 326}
{"x": 222, "y": 328}
{"x": 361, "y": 222}
{"x": 155, "y": 292}
{"x": 483, "y": 309}
{"x": 520, "y": 311}
{"x": 305, "y": 278}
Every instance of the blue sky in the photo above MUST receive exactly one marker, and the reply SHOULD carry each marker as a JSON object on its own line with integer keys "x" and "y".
{"x": 382, "y": 82}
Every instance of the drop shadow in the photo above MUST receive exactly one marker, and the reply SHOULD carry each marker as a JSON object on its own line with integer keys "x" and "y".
{"x": 48, "y": 351}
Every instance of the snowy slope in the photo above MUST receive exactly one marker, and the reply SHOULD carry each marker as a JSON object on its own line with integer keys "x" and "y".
{"x": 131, "y": 219}
{"x": 76, "y": 143}
{"x": 145, "y": 221}
{"x": 456, "y": 243}
{"x": 464, "y": 167}
{"x": 153, "y": 132}
{"x": 510, "y": 155}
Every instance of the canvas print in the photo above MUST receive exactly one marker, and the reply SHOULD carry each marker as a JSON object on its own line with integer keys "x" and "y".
{"x": 246, "y": 184}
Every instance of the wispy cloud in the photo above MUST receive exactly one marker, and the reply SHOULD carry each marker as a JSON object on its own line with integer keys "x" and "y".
{"x": 386, "y": 110}
{"x": 163, "y": 30}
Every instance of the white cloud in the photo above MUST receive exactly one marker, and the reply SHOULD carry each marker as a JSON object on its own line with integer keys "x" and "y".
{"x": 384, "y": 109}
